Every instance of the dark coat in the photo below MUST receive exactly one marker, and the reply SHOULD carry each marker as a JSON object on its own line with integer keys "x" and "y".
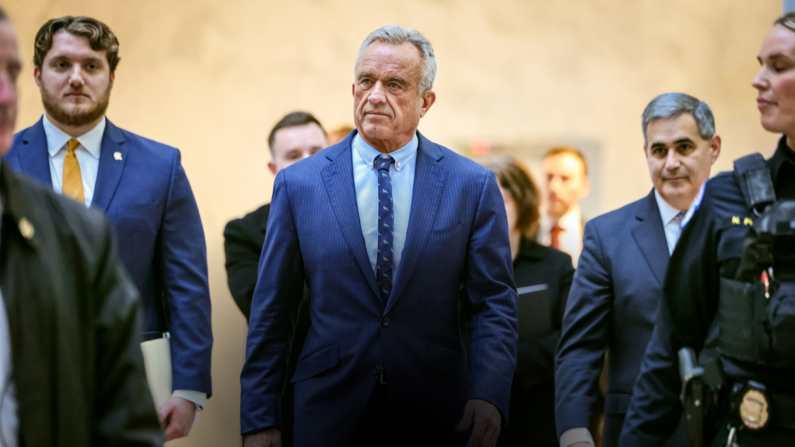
{"x": 75, "y": 324}
{"x": 243, "y": 240}
{"x": 533, "y": 392}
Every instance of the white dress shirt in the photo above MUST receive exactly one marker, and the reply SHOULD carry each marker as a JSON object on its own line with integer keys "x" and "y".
{"x": 9, "y": 428}
{"x": 87, "y": 154}
{"x": 671, "y": 220}
{"x": 570, "y": 237}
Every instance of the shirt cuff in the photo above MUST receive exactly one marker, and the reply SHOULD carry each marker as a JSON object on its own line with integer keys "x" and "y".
{"x": 197, "y": 397}
{"x": 573, "y": 435}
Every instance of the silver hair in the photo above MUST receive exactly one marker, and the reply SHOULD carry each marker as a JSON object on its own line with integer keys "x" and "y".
{"x": 395, "y": 35}
{"x": 672, "y": 105}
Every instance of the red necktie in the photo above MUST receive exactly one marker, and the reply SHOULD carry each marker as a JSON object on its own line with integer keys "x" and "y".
{"x": 554, "y": 240}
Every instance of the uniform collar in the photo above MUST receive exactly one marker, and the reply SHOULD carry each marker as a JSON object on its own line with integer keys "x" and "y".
{"x": 782, "y": 155}
{"x": 91, "y": 141}
{"x": 402, "y": 156}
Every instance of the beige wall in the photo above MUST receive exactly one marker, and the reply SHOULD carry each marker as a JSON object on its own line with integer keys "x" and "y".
{"x": 212, "y": 76}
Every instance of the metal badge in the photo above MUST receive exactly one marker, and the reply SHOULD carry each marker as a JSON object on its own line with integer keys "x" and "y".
{"x": 26, "y": 228}
{"x": 117, "y": 155}
{"x": 754, "y": 409}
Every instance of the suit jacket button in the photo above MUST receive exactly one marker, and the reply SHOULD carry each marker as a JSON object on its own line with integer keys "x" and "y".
{"x": 385, "y": 322}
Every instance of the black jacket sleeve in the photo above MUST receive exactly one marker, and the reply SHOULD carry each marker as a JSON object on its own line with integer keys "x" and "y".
{"x": 243, "y": 247}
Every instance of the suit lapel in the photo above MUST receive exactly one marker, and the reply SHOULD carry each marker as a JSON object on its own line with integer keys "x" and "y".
{"x": 649, "y": 234}
{"x": 338, "y": 178}
{"x": 34, "y": 159}
{"x": 112, "y": 159}
{"x": 429, "y": 180}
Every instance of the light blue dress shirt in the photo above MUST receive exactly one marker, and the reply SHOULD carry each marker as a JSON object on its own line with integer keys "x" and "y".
{"x": 365, "y": 179}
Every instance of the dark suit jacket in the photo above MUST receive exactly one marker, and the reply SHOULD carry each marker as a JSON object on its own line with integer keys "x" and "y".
{"x": 612, "y": 305}
{"x": 457, "y": 236}
{"x": 75, "y": 324}
{"x": 243, "y": 240}
{"x": 533, "y": 390}
{"x": 149, "y": 202}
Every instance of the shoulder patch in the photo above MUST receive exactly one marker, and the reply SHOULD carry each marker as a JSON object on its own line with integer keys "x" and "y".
{"x": 694, "y": 206}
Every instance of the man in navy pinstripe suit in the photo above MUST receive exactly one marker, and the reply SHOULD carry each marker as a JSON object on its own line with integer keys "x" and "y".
{"x": 404, "y": 246}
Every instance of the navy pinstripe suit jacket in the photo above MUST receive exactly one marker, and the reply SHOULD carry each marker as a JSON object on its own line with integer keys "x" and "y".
{"x": 457, "y": 245}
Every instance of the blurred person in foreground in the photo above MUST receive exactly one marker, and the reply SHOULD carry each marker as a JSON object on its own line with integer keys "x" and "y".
{"x": 338, "y": 133}
{"x": 565, "y": 183}
{"x": 71, "y": 370}
{"x": 532, "y": 405}
{"x": 385, "y": 361}
{"x": 618, "y": 287}
{"x": 730, "y": 286}
{"x": 141, "y": 186}
{"x": 295, "y": 137}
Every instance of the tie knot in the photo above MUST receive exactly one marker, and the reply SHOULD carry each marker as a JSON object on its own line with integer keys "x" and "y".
{"x": 678, "y": 218}
{"x": 72, "y": 145}
{"x": 382, "y": 162}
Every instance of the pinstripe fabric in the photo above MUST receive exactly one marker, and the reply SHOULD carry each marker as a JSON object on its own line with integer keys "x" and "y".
{"x": 457, "y": 241}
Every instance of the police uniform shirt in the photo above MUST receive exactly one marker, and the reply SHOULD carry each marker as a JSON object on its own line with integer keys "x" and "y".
{"x": 710, "y": 247}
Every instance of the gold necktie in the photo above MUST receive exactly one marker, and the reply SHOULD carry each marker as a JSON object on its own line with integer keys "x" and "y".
{"x": 72, "y": 180}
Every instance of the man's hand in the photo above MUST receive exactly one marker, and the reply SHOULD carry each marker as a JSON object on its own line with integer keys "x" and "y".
{"x": 486, "y": 419}
{"x": 176, "y": 416}
{"x": 271, "y": 437}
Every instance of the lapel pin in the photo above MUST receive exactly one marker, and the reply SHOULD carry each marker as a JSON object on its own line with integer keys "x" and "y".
{"x": 117, "y": 155}
{"x": 26, "y": 228}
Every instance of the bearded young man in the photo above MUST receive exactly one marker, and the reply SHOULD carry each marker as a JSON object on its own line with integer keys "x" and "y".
{"x": 141, "y": 186}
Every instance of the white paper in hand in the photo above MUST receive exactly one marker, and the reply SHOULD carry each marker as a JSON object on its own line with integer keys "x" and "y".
{"x": 157, "y": 362}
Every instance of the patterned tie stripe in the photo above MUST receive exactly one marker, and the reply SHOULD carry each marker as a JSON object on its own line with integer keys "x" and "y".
{"x": 386, "y": 221}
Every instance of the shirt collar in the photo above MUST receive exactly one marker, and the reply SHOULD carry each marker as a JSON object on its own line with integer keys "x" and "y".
{"x": 667, "y": 212}
{"x": 402, "y": 156}
{"x": 782, "y": 155}
{"x": 572, "y": 219}
{"x": 57, "y": 139}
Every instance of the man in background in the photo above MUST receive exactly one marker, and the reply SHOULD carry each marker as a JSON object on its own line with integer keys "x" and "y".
{"x": 295, "y": 137}
{"x": 141, "y": 186}
{"x": 565, "y": 183}
{"x": 71, "y": 370}
{"x": 618, "y": 286}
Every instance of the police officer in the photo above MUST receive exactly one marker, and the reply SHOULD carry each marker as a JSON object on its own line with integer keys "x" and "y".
{"x": 724, "y": 288}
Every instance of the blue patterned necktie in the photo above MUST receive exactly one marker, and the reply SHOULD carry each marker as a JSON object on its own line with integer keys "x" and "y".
{"x": 386, "y": 223}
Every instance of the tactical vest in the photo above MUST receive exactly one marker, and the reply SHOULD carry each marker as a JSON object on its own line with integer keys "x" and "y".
{"x": 756, "y": 309}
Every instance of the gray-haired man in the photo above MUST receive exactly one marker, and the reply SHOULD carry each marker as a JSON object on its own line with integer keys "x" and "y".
{"x": 389, "y": 231}
{"x": 614, "y": 298}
